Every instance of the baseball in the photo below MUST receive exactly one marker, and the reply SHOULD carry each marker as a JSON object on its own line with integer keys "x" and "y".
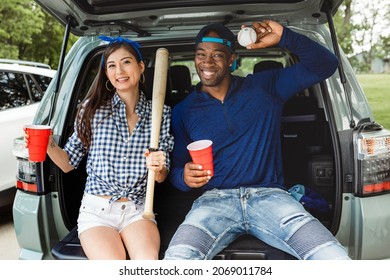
{"x": 247, "y": 36}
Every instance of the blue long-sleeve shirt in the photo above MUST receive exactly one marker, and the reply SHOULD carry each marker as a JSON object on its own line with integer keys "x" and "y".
{"x": 245, "y": 128}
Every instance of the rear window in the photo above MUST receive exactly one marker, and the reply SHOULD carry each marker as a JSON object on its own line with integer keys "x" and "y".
{"x": 18, "y": 89}
{"x": 38, "y": 85}
{"x": 13, "y": 90}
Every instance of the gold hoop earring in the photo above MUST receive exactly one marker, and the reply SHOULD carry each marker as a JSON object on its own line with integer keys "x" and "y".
{"x": 109, "y": 88}
{"x": 142, "y": 79}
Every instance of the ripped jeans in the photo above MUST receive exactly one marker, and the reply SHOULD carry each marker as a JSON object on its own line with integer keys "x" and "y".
{"x": 272, "y": 215}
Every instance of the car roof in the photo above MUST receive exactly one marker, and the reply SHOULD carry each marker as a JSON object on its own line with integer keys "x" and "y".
{"x": 27, "y": 69}
{"x": 24, "y": 62}
{"x": 143, "y": 18}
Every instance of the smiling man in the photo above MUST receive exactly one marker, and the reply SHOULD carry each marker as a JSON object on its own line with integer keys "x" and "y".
{"x": 242, "y": 116}
{"x": 211, "y": 61}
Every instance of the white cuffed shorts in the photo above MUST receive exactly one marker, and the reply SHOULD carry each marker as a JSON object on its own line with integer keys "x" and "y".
{"x": 97, "y": 211}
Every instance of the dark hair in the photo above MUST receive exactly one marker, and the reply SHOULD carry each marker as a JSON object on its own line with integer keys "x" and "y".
{"x": 98, "y": 94}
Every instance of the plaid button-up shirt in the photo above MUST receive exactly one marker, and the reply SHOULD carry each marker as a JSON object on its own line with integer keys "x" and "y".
{"x": 116, "y": 162}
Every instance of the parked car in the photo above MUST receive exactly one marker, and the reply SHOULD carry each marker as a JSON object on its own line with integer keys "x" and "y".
{"x": 22, "y": 86}
{"x": 330, "y": 140}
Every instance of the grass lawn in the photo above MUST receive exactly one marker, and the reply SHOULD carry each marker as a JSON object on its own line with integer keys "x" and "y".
{"x": 377, "y": 90}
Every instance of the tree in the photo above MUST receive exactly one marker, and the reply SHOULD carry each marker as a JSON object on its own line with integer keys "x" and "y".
{"x": 20, "y": 21}
{"x": 47, "y": 48}
{"x": 344, "y": 26}
{"x": 361, "y": 28}
{"x": 384, "y": 50}
{"x": 365, "y": 33}
{"x": 381, "y": 48}
{"x": 29, "y": 33}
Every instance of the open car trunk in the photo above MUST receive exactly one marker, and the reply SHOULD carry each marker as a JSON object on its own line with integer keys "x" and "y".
{"x": 308, "y": 153}
{"x": 331, "y": 144}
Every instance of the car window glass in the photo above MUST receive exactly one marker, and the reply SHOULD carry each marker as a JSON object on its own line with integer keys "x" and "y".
{"x": 38, "y": 85}
{"x": 13, "y": 90}
{"x": 191, "y": 66}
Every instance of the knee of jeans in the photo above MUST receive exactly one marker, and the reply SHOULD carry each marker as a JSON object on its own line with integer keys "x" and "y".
{"x": 330, "y": 251}
{"x": 183, "y": 252}
{"x": 189, "y": 242}
{"x": 313, "y": 237}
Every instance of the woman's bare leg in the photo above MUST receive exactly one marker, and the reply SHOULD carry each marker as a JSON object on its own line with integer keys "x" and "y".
{"x": 142, "y": 240}
{"x": 102, "y": 243}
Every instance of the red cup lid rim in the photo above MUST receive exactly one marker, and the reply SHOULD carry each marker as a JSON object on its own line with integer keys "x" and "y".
{"x": 209, "y": 143}
{"x": 37, "y": 126}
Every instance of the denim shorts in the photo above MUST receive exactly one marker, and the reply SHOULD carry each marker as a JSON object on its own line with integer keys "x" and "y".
{"x": 272, "y": 215}
{"x": 97, "y": 211}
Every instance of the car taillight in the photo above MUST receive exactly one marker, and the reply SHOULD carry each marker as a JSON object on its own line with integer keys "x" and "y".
{"x": 373, "y": 150}
{"x": 27, "y": 172}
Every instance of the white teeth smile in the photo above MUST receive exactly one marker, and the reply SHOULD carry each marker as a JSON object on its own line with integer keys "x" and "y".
{"x": 208, "y": 73}
{"x": 122, "y": 79}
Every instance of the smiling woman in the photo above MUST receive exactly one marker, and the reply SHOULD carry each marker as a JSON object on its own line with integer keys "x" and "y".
{"x": 124, "y": 73}
{"x": 112, "y": 131}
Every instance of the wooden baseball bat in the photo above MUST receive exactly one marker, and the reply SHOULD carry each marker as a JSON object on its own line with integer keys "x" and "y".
{"x": 158, "y": 98}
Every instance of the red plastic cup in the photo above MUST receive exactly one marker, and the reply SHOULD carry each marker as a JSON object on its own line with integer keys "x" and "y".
{"x": 202, "y": 153}
{"x": 38, "y": 139}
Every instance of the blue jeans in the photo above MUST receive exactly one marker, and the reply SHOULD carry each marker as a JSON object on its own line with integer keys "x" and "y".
{"x": 272, "y": 215}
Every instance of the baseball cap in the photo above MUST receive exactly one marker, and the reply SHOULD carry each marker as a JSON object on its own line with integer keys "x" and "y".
{"x": 227, "y": 37}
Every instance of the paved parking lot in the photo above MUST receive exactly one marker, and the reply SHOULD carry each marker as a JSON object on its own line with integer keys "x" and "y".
{"x": 9, "y": 248}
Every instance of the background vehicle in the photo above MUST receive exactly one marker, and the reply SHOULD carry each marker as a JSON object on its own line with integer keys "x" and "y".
{"x": 22, "y": 86}
{"x": 330, "y": 140}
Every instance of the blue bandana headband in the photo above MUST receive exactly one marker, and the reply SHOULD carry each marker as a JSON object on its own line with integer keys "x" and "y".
{"x": 218, "y": 40}
{"x": 223, "y": 42}
{"x": 120, "y": 40}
